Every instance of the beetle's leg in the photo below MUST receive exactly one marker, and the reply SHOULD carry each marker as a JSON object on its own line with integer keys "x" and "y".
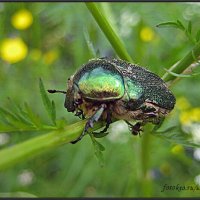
{"x": 90, "y": 122}
{"x": 80, "y": 114}
{"x": 108, "y": 122}
{"x": 159, "y": 121}
{"x": 135, "y": 129}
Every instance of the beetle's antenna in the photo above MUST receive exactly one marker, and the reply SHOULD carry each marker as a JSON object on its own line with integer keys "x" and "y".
{"x": 56, "y": 91}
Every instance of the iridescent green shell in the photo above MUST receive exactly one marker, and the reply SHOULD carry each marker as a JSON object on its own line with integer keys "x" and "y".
{"x": 133, "y": 90}
{"x": 102, "y": 82}
{"x": 151, "y": 87}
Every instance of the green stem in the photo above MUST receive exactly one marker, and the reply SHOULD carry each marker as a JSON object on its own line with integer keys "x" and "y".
{"x": 28, "y": 149}
{"x": 144, "y": 154}
{"x": 184, "y": 63}
{"x": 109, "y": 32}
{"x": 27, "y": 129}
{"x": 144, "y": 146}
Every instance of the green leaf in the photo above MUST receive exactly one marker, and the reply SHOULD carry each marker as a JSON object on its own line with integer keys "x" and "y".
{"x": 197, "y": 35}
{"x": 19, "y": 113}
{"x": 178, "y": 75}
{"x": 98, "y": 148}
{"x": 168, "y": 24}
{"x": 194, "y": 57}
{"x": 32, "y": 116}
{"x": 89, "y": 44}
{"x": 182, "y": 75}
{"x": 157, "y": 126}
{"x": 175, "y": 135}
{"x": 171, "y": 24}
{"x": 14, "y": 122}
{"x": 10, "y": 115}
{"x": 180, "y": 25}
{"x": 11, "y": 119}
{"x": 189, "y": 28}
{"x": 49, "y": 106}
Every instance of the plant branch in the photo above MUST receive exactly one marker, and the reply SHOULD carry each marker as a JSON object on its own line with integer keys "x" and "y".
{"x": 183, "y": 64}
{"x": 109, "y": 32}
{"x": 38, "y": 145}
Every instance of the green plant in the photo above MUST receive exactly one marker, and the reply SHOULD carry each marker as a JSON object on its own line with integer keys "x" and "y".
{"x": 58, "y": 132}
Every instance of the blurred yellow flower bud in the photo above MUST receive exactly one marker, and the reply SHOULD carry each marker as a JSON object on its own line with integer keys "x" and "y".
{"x": 182, "y": 103}
{"x": 165, "y": 169}
{"x": 51, "y": 56}
{"x": 177, "y": 149}
{"x": 22, "y": 19}
{"x": 13, "y": 50}
{"x": 185, "y": 118}
{"x": 147, "y": 34}
{"x": 190, "y": 116}
{"x": 195, "y": 114}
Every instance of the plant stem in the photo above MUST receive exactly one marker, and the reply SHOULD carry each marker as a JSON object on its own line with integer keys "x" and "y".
{"x": 109, "y": 32}
{"x": 184, "y": 63}
{"x": 28, "y": 149}
{"x": 144, "y": 146}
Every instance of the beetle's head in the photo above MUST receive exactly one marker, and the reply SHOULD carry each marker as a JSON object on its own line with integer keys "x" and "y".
{"x": 69, "y": 100}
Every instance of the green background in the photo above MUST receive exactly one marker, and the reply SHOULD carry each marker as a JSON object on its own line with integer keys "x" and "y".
{"x": 73, "y": 170}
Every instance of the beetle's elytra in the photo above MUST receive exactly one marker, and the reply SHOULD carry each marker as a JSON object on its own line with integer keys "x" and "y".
{"x": 108, "y": 88}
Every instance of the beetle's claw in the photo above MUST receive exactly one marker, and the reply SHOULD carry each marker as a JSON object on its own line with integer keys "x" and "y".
{"x": 80, "y": 114}
{"x": 135, "y": 129}
{"x": 90, "y": 122}
{"x": 108, "y": 122}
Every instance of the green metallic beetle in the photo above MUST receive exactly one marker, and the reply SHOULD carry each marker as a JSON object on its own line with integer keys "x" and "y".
{"x": 108, "y": 88}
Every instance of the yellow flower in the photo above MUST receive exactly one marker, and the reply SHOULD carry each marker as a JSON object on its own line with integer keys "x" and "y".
{"x": 147, "y": 34}
{"x": 195, "y": 114}
{"x": 50, "y": 56}
{"x": 22, "y": 19}
{"x": 177, "y": 149}
{"x": 185, "y": 118}
{"x": 13, "y": 50}
{"x": 182, "y": 103}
